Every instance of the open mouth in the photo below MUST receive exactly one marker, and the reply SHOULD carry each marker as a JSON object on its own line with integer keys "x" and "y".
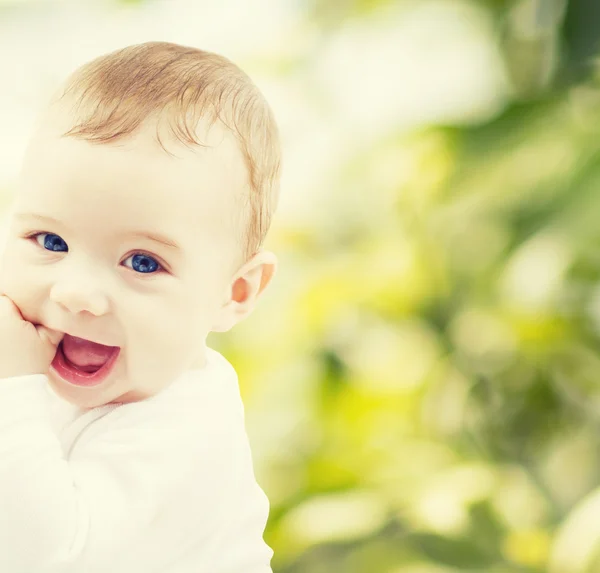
{"x": 83, "y": 362}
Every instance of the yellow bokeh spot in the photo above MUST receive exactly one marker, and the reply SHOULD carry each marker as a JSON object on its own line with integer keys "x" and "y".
{"x": 528, "y": 547}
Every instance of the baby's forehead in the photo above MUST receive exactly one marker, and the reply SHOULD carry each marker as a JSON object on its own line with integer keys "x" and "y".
{"x": 150, "y": 172}
{"x": 161, "y": 138}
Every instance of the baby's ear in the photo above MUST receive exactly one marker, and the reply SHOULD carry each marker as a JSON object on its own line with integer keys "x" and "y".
{"x": 246, "y": 287}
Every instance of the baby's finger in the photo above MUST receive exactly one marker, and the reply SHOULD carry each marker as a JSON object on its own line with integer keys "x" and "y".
{"x": 8, "y": 304}
{"x": 52, "y": 337}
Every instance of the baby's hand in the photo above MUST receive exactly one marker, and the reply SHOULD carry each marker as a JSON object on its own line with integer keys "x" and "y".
{"x": 24, "y": 347}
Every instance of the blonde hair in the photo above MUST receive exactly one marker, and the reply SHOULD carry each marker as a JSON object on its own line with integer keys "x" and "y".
{"x": 117, "y": 92}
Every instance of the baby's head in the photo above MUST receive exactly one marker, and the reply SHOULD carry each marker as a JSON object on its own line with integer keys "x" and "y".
{"x": 145, "y": 195}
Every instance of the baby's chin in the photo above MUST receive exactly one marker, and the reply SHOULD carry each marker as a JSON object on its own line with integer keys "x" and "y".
{"x": 89, "y": 397}
{"x": 118, "y": 386}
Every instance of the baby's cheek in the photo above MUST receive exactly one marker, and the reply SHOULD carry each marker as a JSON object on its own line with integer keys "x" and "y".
{"x": 24, "y": 285}
{"x": 12, "y": 274}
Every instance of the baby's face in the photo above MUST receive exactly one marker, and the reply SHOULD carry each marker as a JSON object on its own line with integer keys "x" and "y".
{"x": 84, "y": 254}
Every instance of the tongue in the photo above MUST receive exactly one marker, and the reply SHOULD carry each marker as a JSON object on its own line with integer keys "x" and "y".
{"x": 86, "y": 355}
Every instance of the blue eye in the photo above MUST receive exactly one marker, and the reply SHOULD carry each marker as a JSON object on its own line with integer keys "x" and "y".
{"x": 140, "y": 262}
{"x": 52, "y": 242}
{"x": 143, "y": 264}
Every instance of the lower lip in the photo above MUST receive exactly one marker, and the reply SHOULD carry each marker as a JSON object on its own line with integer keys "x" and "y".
{"x": 77, "y": 377}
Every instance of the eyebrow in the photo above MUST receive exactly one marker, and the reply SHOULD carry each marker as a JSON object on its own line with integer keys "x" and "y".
{"x": 157, "y": 238}
{"x": 152, "y": 236}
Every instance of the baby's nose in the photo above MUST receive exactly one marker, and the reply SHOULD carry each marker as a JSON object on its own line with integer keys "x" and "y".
{"x": 80, "y": 296}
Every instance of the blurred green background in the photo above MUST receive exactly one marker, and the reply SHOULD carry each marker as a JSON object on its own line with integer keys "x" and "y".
{"x": 422, "y": 380}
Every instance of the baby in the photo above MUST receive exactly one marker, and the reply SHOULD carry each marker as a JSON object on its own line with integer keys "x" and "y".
{"x": 145, "y": 195}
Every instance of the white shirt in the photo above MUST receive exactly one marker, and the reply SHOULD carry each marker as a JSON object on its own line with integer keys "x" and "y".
{"x": 165, "y": 485}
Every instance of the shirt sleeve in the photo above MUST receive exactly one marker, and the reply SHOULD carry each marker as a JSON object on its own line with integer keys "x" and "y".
{"x": 58, "y": 514}
{"x": 236, "y": 544}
